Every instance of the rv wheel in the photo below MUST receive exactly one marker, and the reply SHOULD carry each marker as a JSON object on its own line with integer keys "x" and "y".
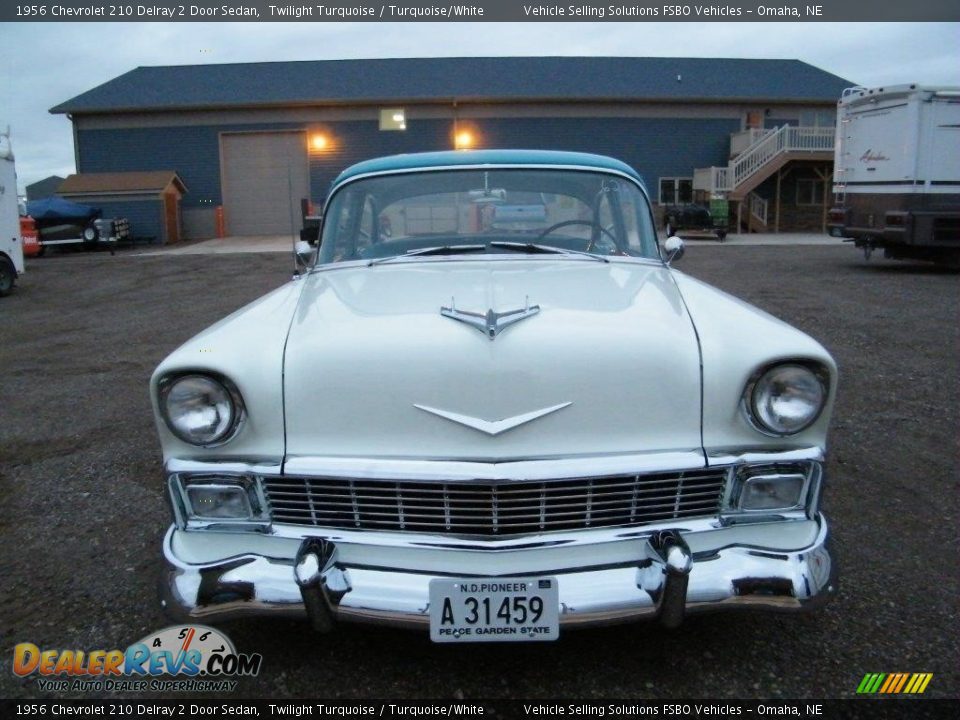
{"x": 8, "y": 275}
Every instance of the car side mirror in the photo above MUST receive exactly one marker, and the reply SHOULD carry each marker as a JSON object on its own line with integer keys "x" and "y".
{"x": 306, "y": 253}
{"x": 674, "y": 248}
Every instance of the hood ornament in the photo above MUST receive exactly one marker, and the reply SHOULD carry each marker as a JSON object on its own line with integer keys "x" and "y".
{"x": 490, "y": 323}
{"x": 492, "y": 427}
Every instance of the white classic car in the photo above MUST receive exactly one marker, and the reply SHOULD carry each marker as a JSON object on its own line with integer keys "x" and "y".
{"x": 489, "y": 407}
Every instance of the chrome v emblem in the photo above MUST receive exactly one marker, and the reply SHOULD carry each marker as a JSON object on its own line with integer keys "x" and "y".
{"x": 490, "y": 323}
{"x": 492, "y": 427}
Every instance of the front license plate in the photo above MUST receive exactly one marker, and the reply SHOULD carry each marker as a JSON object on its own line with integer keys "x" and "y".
{"x": 488, "y": 610}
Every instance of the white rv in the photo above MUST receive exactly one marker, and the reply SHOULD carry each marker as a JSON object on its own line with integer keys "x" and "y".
{"x": 11, "y": 248}
{"x": 897, "y": 172}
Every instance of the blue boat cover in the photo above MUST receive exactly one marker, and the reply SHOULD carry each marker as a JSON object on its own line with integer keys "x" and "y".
{"x": 55, "y": 208}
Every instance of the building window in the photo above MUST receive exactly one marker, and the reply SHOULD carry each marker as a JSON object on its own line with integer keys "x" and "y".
{"x": 818, "y": 118}
{"x": 393, "y": 119}
{"x": 675, "y": 191}
{"x": 810, "y": 192}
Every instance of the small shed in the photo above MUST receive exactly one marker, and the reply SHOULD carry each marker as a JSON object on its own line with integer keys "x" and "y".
{"x": 150, "y": 200}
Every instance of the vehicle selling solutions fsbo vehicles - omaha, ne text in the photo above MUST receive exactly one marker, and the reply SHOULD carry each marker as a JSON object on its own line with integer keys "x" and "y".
{"x": 491, "y": 409}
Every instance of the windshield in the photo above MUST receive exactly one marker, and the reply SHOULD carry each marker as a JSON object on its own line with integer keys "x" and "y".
{"x": 487, "y": 211}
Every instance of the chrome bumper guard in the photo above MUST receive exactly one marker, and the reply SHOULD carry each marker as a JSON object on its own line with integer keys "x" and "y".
{"x": 667, "y": 581}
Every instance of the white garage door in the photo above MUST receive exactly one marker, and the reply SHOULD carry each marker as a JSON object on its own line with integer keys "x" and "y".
{"x": 264, "y": 177}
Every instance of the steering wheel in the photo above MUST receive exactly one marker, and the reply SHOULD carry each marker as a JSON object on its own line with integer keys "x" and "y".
{"x": 569, "y": 223}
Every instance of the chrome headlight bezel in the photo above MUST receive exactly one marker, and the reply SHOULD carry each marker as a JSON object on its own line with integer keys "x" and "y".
{"x": 810, "y": 473}
{"x": 749, "y": 400}
{"x": 231, "y": 393}
{"x": 187, "y": 516}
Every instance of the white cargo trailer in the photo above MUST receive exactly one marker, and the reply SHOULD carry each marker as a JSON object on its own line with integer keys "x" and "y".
{"x": 897, "y": 172}
{"x": 11, "y": 247}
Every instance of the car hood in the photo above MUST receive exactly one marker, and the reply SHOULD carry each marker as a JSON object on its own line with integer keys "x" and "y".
{"x": 609, "y": 364}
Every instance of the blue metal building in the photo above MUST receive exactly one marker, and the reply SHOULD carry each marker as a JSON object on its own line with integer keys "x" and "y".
{"x": 257, "y": 138}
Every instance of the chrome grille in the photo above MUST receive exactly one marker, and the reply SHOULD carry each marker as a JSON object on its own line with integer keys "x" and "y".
{"x": 488, "y": 508}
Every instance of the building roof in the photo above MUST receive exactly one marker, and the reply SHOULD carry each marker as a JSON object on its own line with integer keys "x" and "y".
{"x": 473, "y": 158}
{"x": 43, "y": 188}
{"x": 464, "y": 79}
{"x": 120, "y": 183}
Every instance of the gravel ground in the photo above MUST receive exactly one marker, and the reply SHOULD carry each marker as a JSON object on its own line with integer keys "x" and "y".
{"x": 84, "y": 509}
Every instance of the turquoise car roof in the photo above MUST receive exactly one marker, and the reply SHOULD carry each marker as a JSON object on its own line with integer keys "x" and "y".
{"x": 452, "y": 158}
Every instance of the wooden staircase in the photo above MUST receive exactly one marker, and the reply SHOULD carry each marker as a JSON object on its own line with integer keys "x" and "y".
{"x": 769, "y": 153}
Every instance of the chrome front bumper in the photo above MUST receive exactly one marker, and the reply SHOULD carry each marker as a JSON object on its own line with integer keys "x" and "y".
{"x": 617, "y": 575}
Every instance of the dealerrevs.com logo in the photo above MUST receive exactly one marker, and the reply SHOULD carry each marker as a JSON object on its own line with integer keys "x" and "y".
{"x": 190, "y": 658}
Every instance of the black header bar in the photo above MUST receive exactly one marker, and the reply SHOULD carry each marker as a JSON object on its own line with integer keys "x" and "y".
{"x": 483, "y": 11}
{"x": 190, "y": 707}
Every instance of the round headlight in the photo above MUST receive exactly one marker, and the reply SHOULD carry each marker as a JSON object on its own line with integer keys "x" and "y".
{"x": 199, "y": 409}
{"x": 787, "y": 399}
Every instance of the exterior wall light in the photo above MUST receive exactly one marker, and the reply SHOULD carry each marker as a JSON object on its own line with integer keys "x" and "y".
{"x": 463, "y": 140}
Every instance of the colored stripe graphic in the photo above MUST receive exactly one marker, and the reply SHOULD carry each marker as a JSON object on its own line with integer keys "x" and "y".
{"x": 894, "y": 683}
{"x": 900, "y": 682}
{"x": 890, "y": 682}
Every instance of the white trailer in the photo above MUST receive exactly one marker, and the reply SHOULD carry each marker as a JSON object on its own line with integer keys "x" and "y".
{"x": 897, "y": 172}
{"x": 11, "y": 246}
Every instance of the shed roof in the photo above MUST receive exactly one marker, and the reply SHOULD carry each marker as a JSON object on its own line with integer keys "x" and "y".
{"x": 446, "y": 79}
{"x": 120, "y": 182}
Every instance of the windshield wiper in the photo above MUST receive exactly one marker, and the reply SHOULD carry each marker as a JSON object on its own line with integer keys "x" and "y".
{"x": 438, "y": 250}
{"x": 549, "y": 249}
{"x": 516, "y": 246}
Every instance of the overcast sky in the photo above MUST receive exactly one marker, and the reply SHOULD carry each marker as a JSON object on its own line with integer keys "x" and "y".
{"x": 43, "y": 64}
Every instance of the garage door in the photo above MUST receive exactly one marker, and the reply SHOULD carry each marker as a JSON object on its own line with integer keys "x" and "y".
{"x": 264, "y": 177}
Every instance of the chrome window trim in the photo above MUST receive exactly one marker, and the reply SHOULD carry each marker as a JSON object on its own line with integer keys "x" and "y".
{"x": 485, "y": 257}
{"x": 316, "y": 267}
{"x": 484, "y": 166}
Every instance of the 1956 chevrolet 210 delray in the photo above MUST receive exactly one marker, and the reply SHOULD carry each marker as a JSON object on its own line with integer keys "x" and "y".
{"x": 490, "y": 408}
